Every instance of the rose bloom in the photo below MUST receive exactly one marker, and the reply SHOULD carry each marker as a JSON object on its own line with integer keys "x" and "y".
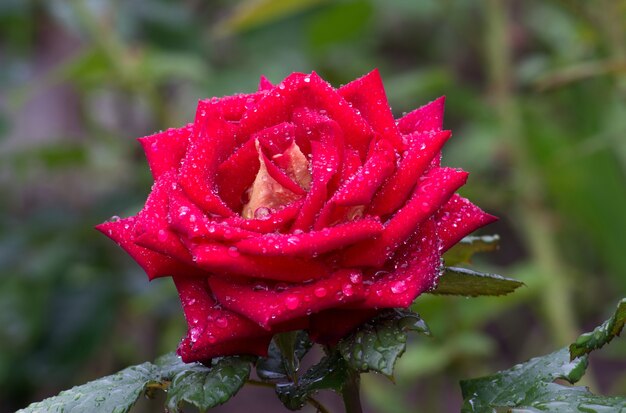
{"x": 299, "y": 206}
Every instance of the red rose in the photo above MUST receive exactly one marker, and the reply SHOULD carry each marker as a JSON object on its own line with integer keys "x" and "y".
{"x": 299, "y": 206}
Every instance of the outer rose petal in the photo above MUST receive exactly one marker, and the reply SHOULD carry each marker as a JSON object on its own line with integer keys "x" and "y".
{"x": 152, "y": 227}
{"x": 458, "y": 218}
{"x": 154, "y": 264}
{"x": 212, "y": 140}
{"x": 433, "y": 191}
{"x": 208, "y": 323}
{"x": 423, "y": 149}
{"x": 268, "y": 308}
{"x": 415, "y": 270}
{"x": 265, "y": 84}
{"x": 426, "y": 118}
{"x": 165, "y": 150}
{"x": 367, "y": 94}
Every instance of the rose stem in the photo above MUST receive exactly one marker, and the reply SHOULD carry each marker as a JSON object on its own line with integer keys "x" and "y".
{"x": 350, "y": 393}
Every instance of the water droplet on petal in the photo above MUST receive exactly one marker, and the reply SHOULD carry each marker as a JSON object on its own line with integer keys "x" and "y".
{"x": 221, "y": 322}
{"x": 162, "y": 235}
{"x": 356, "y": 278}
{"x": 320, "y": 292}
{"x": 398, "y": 287}
{"x": 262, "y": 213}
{"x": 347, "y": 290}
{"x": 233, "y": 251}
{"x": 292, "y": 302}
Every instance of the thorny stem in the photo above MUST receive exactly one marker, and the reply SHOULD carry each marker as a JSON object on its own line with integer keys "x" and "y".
{"x": 350, "y": 393}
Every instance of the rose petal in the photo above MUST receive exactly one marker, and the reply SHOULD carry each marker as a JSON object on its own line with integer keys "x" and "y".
{"x": 459, "y": 217}
{"x": 212, "y": 141}
{"x": 268, "y": 220}
{"x": 265, "y": 84}
{"x": 281, "y": 177}
{"x": 270, "y": 307}
{"x": 166, "y": 150}
{"x": 416, "y": 268}
{"x": 359, "y": 189}
{"x": 426, "y": 118}
{"x": 300, "y": 90}
{"x": 324, "y": 165}
{"x": 436, "y": 187}
{"x": 311, "y": 244}
{"x": 236, "y": 174}
{"x": 221, "y": 259}
{"x": 190, "y": 222}
{"x": 368, "y": 96}
{"x": 154, "y": 264}
{"x": 206, "y": 320}
{"x": 277, "y": 139}
{"x": 152, "y": 226}
{"x": 424, "y": 147}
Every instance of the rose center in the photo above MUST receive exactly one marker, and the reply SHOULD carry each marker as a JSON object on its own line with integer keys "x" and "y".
{"x": 280, "y": 180}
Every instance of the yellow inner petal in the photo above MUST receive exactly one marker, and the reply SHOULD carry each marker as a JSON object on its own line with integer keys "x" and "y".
{"x": 267, "y": 194}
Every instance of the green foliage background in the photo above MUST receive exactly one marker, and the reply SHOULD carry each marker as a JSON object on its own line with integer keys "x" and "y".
{"x": 536, "y": 99}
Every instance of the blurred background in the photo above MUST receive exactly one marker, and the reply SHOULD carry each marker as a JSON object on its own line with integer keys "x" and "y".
{"x": 536, "y": 98}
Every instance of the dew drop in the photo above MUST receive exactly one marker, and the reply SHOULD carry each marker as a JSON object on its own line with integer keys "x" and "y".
{"x": 262, "y": 213}
{"x": 221, "y": 322}
{"x": 347, "y": 290}
{"x": 233, "y": 251}
{"x": 320, "y": 292}
{"x": 356, "y": 278}
{"x": 398, "y": 287}
{"x": 162, "y": 235}
{"x": 292, "y": 302}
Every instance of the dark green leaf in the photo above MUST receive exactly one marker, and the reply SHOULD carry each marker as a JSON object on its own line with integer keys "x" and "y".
{"x": 194, "y": 383}
{"x": 206, "y": 387}
{"x": 612, "y": 327}
{"x": 115, "y": 394}
{"x": 530, "y": 386}
{"x": 468, "y": 246}
{"x": 277, "y": 367}
{"x": 379, "y": 343}
{"x": 461, "y": 281}
{"x": 330, "y": 373}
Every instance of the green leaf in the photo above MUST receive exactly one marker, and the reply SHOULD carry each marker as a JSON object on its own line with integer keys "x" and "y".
{"x": 530, "y": 386}
{"x": 468, "y": 246}
{"x": 115, "y": 394}
{"x": 612, "y": 327}
{"x": 330, "y": 373}
{"x": 278, "y": 367}
{"x": 193, "y": 383}
{"x": 379, "y": 343}
{"x": 205, "y": 387}
{"x": 462, "y": 281}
